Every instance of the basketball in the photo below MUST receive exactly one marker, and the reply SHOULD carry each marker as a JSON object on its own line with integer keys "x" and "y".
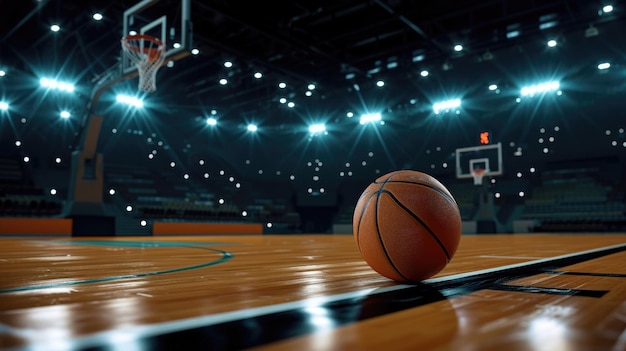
{"x": 407, "y": 226}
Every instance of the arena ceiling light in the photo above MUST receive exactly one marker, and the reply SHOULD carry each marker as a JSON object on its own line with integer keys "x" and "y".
{"x": 541, "y": 88}
{"x": 447, "y": 105}
{"x": 370, "y": 118}
{"x": 56, "y": 85}
{"x": 513, "y": 34}
{"x": 317, "y": 128}
{"x": 129, "y": 100}
{"x": 606, "y": 9}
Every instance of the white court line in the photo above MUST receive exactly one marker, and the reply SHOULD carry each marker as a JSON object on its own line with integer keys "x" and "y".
{"x": 134, "y": 333}
{"x": 513, "y": 257}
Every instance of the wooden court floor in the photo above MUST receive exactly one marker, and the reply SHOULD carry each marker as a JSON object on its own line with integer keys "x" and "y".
{"x": 309, "y": 292}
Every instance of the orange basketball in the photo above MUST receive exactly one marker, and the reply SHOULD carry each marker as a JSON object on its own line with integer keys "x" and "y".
{"x": 407, "y": 226}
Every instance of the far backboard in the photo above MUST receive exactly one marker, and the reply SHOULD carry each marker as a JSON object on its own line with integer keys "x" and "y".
{"x": 167, "y": 20}
{"x": 487, "y": 157}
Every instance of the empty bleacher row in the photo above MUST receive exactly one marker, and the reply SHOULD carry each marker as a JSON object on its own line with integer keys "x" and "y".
{"x": 28, "y": 205}
{"x": 465, "y": 195}
{"x": 576, "y": 200}
{"x": 557, "y": 203}
{"x": 571, "y": 199}
{"x": 163, "y": 196}
{"x": 183, "y": 209}
{"x": 19, "y": 196}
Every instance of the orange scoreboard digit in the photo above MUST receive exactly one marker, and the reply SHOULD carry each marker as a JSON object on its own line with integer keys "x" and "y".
{"x": 485, "y": 137}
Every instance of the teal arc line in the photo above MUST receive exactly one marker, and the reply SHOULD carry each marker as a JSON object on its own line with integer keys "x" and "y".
{"x": 226, "y": 256}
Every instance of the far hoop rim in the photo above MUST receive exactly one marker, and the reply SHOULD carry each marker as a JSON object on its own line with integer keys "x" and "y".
{"x": 479, "y": 171}
{"x": 153, "y": 54}
{"x": 155, "y": 40}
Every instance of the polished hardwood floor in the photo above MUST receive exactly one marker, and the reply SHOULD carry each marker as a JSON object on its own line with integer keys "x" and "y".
{"x": 309, "y": 292}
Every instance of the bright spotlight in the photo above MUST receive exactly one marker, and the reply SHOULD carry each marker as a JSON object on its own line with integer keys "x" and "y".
{"x": 446, "y": 105}
{"x": 129, "y": 100}
{"x": 54, "y": 84}
{"x": 252, "y": 128}
{"x": 317, "y": 128}
{"x": 211, "y": 121}
{"x": 604, "y": 65}
{"x": 545, "y": 87}
{"x": 370, "y": 118}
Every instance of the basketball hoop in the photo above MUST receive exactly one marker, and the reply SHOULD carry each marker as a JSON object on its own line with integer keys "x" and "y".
{"x": 147, "y": 53}
{"x": 478, "y": 174}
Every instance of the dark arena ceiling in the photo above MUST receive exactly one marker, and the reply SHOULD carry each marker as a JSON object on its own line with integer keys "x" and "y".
{"x": 344, "y": 47}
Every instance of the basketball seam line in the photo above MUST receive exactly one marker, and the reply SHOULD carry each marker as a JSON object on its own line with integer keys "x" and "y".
{"x": 445, "y": 251}
{"x": 382, "y": 244}
{"x": 358, "y": 227}
{"x": 437, "y": 189}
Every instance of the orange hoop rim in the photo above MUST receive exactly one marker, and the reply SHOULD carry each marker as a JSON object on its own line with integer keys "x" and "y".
{"x": 479, "y": 172}
{"x": 152, "y": 53}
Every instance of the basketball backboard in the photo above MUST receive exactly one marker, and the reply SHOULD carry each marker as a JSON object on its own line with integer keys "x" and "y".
{"x": 487, "y": 157}
{"x": 167, "y": 20}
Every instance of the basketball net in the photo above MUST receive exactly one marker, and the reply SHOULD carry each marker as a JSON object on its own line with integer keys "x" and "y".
{"x": 147, "y": 53}
{"x": 478, "y": 174}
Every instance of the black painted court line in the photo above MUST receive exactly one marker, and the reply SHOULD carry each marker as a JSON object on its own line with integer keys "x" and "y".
{"x": 550, "y": 291}
{"x": 589, "y": 274}
{"x": 266, "y": 328}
